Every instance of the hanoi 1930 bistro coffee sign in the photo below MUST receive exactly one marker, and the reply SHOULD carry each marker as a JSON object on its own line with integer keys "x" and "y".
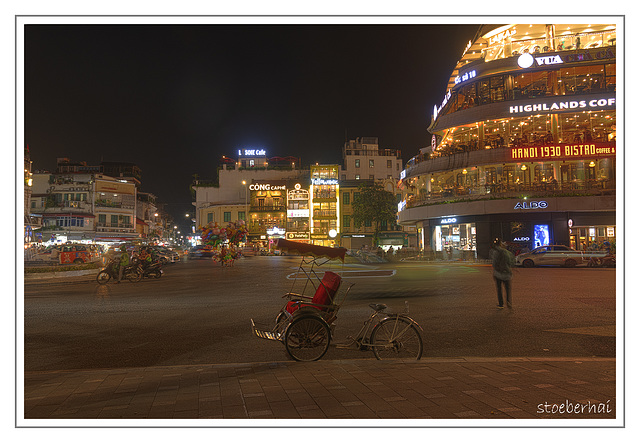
{"x": 565, "y": 151}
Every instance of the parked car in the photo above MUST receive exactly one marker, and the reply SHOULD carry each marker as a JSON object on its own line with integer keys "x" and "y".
{"x": 201, "y": 251}
{"x": 556, "y": 255}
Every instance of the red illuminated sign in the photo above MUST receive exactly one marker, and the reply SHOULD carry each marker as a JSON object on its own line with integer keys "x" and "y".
{"x": 564, "y": 152}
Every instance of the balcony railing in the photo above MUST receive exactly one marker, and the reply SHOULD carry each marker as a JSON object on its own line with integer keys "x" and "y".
{"x": 114, "y": 204}
{"x": 268, "y": 208}
{"x": 324, "y": 213}
{"x": 514, "y": 190}
{"x": 114, "y": 227}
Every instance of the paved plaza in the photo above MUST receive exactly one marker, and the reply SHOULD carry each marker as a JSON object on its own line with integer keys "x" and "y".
{"x": 472, "y": 388}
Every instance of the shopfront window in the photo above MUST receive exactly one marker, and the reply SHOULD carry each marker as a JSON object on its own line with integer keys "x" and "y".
{"x": 452, "y": 239}
{"x": 593, "y": 238}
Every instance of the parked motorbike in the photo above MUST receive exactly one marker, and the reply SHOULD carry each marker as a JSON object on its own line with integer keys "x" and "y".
{"x": 608, "y": 261}
{"x": 131, "y": 273}
{"x": 150, "y": 270}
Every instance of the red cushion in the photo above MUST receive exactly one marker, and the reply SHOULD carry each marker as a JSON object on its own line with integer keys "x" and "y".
{"x": 324, "y": 294}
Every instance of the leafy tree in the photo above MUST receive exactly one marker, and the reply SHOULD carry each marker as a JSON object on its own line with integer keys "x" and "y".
{"x": 374, "y": 204}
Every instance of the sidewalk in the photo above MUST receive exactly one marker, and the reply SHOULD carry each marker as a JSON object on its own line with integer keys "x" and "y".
{"x": 462, "y": 388}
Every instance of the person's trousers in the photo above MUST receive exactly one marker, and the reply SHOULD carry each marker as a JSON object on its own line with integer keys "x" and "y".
{"x": 120, "y": 272}
{"x": 507, "y": 289}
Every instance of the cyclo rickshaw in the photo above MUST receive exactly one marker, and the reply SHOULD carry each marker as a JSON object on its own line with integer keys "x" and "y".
{"x": 306, "y": 323}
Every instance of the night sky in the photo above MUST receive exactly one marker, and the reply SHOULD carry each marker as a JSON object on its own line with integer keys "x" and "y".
{"x": 174, "y": 99}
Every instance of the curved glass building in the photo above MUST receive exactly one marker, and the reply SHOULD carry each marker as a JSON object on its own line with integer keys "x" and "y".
{"x": 523, "y": 144}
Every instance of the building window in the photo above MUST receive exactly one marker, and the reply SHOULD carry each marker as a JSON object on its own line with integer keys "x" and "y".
{"x": 389, "y": 164}
{"x": 346, "y": 198}
{"x": 114, "y": 220}
{"x": 371, "y": 163}
{"x": 209, "y": 217}
{"x": 241, "y": 215}
{"x": 367, "y": 223}
{"x": 357, "y": 176}
{"x": 102, "y": 219}
{"x": 227, "y": 216}
{"x": 357, "y": 162}
{"x": 346, "y": 221}
{"x": 371, "y": 177}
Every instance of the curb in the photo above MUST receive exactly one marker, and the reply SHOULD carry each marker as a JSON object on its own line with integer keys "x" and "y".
{"x": 41, "y": 275}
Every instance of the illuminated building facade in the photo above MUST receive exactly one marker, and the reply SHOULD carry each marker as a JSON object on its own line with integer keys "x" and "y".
{"x": 324, "y": 191}
{"x": 267, "y": 210}
{"x": 298, "y": 212}
{"x": 523, "y": 144}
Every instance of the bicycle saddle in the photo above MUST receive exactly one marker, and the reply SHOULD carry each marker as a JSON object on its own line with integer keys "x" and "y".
{"x": 378, "y": 306}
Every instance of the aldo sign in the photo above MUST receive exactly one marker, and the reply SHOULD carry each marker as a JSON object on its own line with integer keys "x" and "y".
{"x": 531, "y": 205}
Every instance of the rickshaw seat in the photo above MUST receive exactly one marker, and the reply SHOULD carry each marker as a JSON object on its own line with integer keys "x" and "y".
{"x": 324, "y": 293}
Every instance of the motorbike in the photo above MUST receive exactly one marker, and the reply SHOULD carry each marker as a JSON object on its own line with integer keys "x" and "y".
{"x": 608, "y": 261}
{"x": 151, "y": 270}
{"x": 131, "y": 273}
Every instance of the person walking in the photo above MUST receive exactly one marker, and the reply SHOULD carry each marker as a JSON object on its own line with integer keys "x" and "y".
{"x": 502, "y": 261}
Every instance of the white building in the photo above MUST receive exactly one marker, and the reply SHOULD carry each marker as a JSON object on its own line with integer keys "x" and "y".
{"x": 363, "y": 159}
{"x": 84, "y": 206}
{"x": 230, "y": 199}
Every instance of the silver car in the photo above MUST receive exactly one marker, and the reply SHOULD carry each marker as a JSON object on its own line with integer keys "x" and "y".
{"x": 551, "y": 255}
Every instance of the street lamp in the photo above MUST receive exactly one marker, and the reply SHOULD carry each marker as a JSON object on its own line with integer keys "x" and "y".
{"x": 246, "y": 203}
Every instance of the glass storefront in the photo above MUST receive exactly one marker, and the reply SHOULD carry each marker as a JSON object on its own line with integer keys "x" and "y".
{"x": 454, "y": 238}
{"x": 584, "y": 238}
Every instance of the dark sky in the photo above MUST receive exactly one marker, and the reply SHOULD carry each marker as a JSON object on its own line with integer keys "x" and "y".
{"x": 174, "y": 99}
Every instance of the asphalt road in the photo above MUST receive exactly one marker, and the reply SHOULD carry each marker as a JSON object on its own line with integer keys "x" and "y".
{"x": 199, "y": 312}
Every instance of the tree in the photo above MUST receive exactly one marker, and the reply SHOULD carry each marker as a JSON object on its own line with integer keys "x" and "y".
{"x": 374, "y": 204}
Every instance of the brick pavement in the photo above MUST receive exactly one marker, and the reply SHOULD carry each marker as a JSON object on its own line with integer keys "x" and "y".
{"x": 462, "y": 388}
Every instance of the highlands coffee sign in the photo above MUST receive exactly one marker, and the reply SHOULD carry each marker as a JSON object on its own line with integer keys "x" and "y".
{"x": 552, "y": 105}
{"x": 564, "y": 152}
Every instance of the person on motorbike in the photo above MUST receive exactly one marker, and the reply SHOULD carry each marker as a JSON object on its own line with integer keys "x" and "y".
{"x": 145, "y": 257}
{"x": 124, "y": 262}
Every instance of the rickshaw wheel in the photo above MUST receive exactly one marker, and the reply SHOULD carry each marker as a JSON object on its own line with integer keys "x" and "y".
{"x": 307, "y": 337}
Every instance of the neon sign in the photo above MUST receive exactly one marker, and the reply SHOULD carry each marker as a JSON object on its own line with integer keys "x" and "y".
{"x": 446, "y": 221}
{"x": 324, "y": 181}
{"x": 521, "y": 239}
{"x": 252, "y": 152}
{"x": 501, "y": 36}
{"x": 558, "y": 106}
{"x": 565, "y": 151}
{"x": 275, "y": 231}
{"x": 531, "y": 205}
{"x": 266, "y": 187}
{"x": 464, "y": 77}
{"x": 526, "y": 60}
{"x": 437, "y": 109}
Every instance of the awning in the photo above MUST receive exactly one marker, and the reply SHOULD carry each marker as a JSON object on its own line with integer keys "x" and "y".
{"x": 314, "y": 250}
{"x": 116, "y": 237}
{"x": 67, "y": 214}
